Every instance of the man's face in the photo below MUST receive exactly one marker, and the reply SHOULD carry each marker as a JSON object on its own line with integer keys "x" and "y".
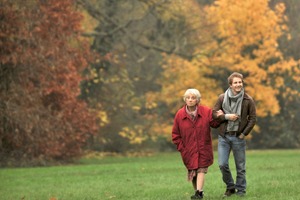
{"x": 236, "y": 85}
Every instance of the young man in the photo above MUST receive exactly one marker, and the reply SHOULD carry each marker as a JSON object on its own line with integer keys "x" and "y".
{"x": 237, "y": 120}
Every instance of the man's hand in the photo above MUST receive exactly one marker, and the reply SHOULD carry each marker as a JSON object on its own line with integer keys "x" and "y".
{"x": 232, "y": 117}
{"x": 242, "y": 136}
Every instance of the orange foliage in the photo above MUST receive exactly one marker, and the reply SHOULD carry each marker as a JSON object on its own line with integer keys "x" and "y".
{"x": 179, "y": 75}
{"x": 250, "y": 31}
{"x": 236, "y": 36}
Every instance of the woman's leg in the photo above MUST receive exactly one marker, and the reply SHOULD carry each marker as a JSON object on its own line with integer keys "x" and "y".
{"x": 194, "y": 182}
{"x": 200, "y": 181}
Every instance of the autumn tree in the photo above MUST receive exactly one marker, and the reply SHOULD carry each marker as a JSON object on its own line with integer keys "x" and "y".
{"x": 42, "y": 57}
{"x": 271, "y": 76}
{"x": 284, "y": 126}
{"x": 242, "y": 36}
{"x": 155, "y": 50}
{"x": 130, "y": 36}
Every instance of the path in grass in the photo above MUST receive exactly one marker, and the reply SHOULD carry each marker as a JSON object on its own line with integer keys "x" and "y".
{"x": 271, "y": 175}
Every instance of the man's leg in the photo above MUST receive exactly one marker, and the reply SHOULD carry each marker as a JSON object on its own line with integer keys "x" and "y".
{"x": 239, "y": 153}
{"x": 224, "y": 148}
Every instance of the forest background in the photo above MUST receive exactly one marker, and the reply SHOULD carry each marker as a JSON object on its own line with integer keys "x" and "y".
{"x": 81, "y": 76}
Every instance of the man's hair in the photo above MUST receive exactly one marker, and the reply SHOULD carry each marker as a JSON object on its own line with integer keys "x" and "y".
{"x": 235, "y": 75}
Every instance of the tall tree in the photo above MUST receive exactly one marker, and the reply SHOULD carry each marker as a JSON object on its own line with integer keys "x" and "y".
{"x": 155, "y": 50}
{"x": 42, "y": 56}
{"x": 132, "y": 35}
{"x": 243, "y": 36}
{"x": 285, "y": 125}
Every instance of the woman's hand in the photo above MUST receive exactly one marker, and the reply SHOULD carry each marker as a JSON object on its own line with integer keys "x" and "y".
{"x": 219, "y": 113}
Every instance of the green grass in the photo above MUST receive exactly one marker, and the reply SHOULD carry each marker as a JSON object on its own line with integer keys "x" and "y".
{"x": 270, "y": 174}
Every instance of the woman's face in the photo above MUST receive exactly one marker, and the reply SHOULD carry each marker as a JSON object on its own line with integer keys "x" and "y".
{"x": 190, "y": 100}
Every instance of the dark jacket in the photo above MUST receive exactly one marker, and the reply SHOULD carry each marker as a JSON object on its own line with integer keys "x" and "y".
{"x": 193, "y": 138}
{"x": 248, "y": 115}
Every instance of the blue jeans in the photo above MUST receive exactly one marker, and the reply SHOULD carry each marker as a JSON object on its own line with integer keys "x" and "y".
{"x": 238, "y": 147}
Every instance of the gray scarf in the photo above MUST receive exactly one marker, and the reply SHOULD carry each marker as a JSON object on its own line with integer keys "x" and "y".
{"x": 233, "y": 105}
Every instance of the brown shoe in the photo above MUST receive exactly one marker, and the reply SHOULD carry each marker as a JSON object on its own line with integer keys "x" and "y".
{"x": 229, "y": 192}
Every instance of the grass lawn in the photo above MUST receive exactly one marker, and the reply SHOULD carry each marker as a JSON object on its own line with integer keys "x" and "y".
{"x": 271, "y": 174}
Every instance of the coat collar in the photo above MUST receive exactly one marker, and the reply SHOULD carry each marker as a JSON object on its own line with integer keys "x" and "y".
{"x": 186, "y": 115}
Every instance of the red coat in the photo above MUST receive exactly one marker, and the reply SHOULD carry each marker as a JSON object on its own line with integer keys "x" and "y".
{"x": 193, "y": 138}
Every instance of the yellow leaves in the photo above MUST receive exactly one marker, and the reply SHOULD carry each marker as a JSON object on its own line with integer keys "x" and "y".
{"x": 150, "y": 101}
{"x": 265, "y": 99}
{"x": 280, "y": 9}
{"x": 163, "y": 129}
{"x": 288, "y": 93}
{"x": 135, "y": 135}
{"x": 279, "y": 81}
{"x": 136, "y": 108}
{"x": 285, "y": 66}
{"x": 246, "y": 22}
{"x": 179, "y": 75}
{"x": 102, "y": 116}
{"x": 173, "y": 10}
{"x": 296, "y": 71}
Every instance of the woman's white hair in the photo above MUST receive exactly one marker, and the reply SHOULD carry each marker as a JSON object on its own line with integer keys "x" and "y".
{"x": 194, "y": 92}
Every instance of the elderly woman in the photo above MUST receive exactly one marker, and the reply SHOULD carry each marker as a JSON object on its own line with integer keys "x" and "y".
{"x": 192, "y": 135}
